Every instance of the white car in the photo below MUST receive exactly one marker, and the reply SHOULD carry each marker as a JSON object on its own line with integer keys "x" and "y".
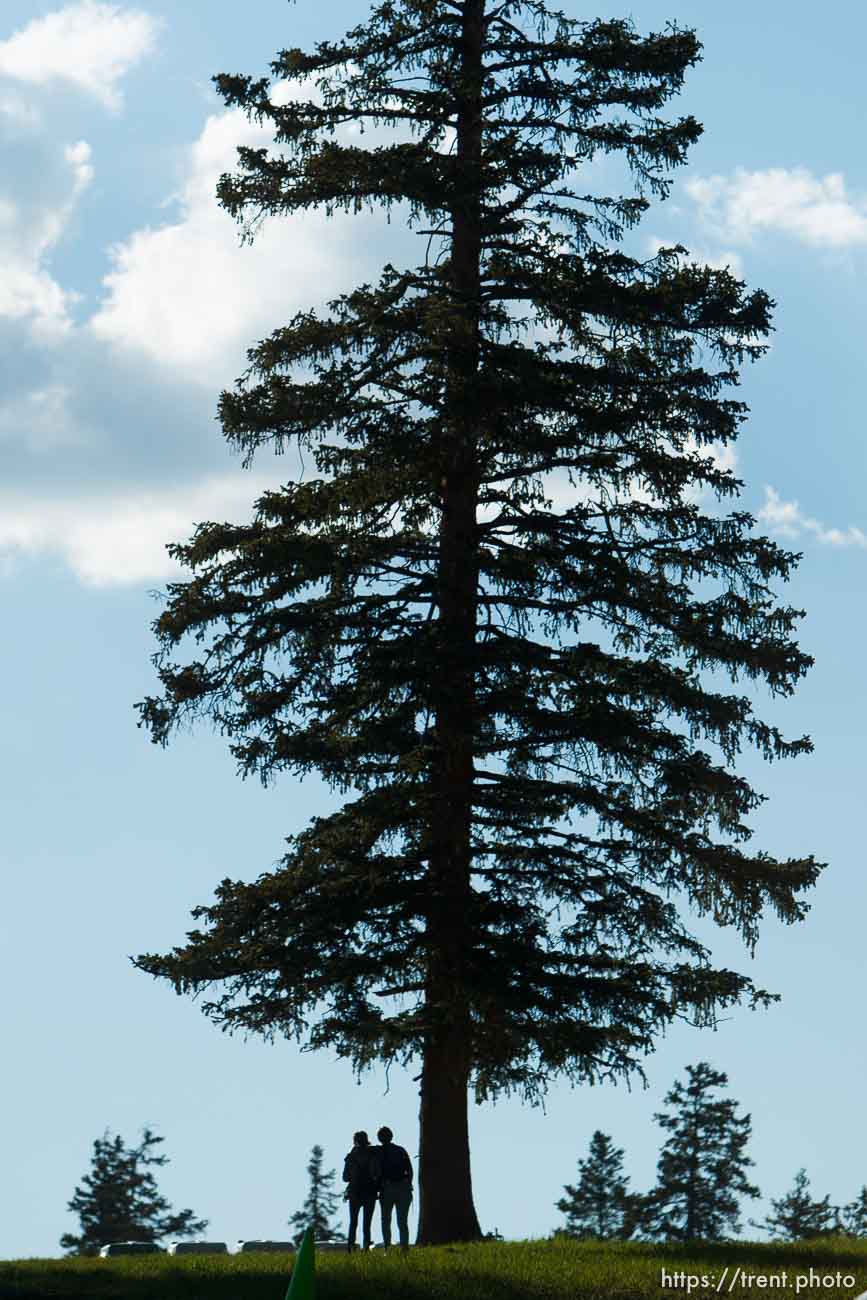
{"x": 130, "y": 1248}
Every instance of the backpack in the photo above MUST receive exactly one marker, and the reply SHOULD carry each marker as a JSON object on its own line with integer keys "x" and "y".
{"x": 391, "y": 1163}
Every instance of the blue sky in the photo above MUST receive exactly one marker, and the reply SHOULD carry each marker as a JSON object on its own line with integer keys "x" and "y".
{"x": 126, "y": 304}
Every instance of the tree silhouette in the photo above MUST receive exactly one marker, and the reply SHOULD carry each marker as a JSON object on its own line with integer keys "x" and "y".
{"x": 701, "y": 1168}
{"x": 485, "y": 618}
{"x": 118, "y": 1200}
{"x": 320, "y": 1205}
{"x": 599, "y": 1206}
{"x": 854, "y": 1215}
{"x": 797, "y": 1216}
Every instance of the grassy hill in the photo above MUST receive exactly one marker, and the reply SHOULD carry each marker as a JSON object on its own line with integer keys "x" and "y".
{"x": 531, "y": 1270}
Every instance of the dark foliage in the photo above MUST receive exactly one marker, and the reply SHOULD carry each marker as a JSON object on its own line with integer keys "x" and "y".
{"x": 853, "y": 1217}
{"x": 701, "y": 1169}
{"x": 599, "y": 1206}
{"x": 118, "y": 1200}
{"x": 320, "y": 1206}
{"x": 797, "y": 1216}
{"x": 511, "y": 692}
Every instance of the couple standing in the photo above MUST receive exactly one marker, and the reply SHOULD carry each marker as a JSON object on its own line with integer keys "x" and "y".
{"x": 385, "y": 1172}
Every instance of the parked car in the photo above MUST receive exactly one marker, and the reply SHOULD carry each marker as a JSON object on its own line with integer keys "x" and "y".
{"x": 130, "y": 1248}
{"x": 249, "y": 1246}
{"x": 198, "y": 1248}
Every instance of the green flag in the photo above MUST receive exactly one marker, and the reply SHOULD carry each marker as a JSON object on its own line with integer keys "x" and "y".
{"x": 302, "y": 1285}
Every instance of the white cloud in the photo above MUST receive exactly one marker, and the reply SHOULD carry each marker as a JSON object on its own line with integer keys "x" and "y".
{"x": 788, "y": 520}
{"x": 193, "y": 299}
{"x": 27, "y": 236}
{"x": 120, "y": 539}
{"x": 816, "y": 211}
{"x": 29, "y": 291}
{"x": 89, "y": 45}
{"x": 40, "y": 420}
{"x": 18, "y": 112}
{"x": 78, "y": 157}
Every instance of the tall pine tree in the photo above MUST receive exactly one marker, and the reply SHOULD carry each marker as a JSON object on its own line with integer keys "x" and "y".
{"x": 701, "y": 1169}
{"x": 321, "y": 1204}
{"x": 510, "y": 687}
{"x": 599, "y": 1206}
{"x": 119, "y": 1201}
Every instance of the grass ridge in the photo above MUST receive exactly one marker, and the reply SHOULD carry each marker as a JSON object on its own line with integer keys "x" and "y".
{"x": 530, "y": 1270}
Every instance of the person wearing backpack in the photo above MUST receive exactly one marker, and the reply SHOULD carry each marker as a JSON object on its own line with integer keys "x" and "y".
{"x": 394, "y": 1174}
{"x": 361, "y": 1188}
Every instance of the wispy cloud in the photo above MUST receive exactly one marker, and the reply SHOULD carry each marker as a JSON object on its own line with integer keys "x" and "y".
{"x": 108, "y": 436}
{"x": 40, "y": 419}
{"x": 28, "y": 233}
{"x": 89, "y": 45}
{"x": 787, "y": 519}
{"x": 120, "y": 538}
{"x": 16, "y": 112}
{"x": 816, "y": 210}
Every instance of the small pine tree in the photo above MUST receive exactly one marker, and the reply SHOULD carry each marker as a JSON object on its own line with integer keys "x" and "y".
{"x": 599, "y": 1206}
{"x": 797, "y": 1216}
{"x": 854, "y": 1216}
{"x": 118, "y": 1200}
{"x": 321, "y": 1203}
{"x": 700, "y": 1172}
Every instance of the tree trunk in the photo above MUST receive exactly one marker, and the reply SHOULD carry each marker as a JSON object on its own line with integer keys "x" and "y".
{"x": 446, "y": 1211}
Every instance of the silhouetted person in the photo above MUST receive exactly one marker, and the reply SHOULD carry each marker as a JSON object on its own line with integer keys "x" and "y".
{"x": 394, "y": 1171}
{"x": 361, "y": 1191}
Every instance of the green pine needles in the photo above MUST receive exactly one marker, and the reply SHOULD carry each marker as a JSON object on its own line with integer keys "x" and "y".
{"x": 599, "y": 1207}
{"x": 320, "y": 1205}
{"x": 508, "y": 691}
{"x": 119, "y": 1200}
{"x": 701, "y": 1174}
{"x": 798, "y": 1217}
